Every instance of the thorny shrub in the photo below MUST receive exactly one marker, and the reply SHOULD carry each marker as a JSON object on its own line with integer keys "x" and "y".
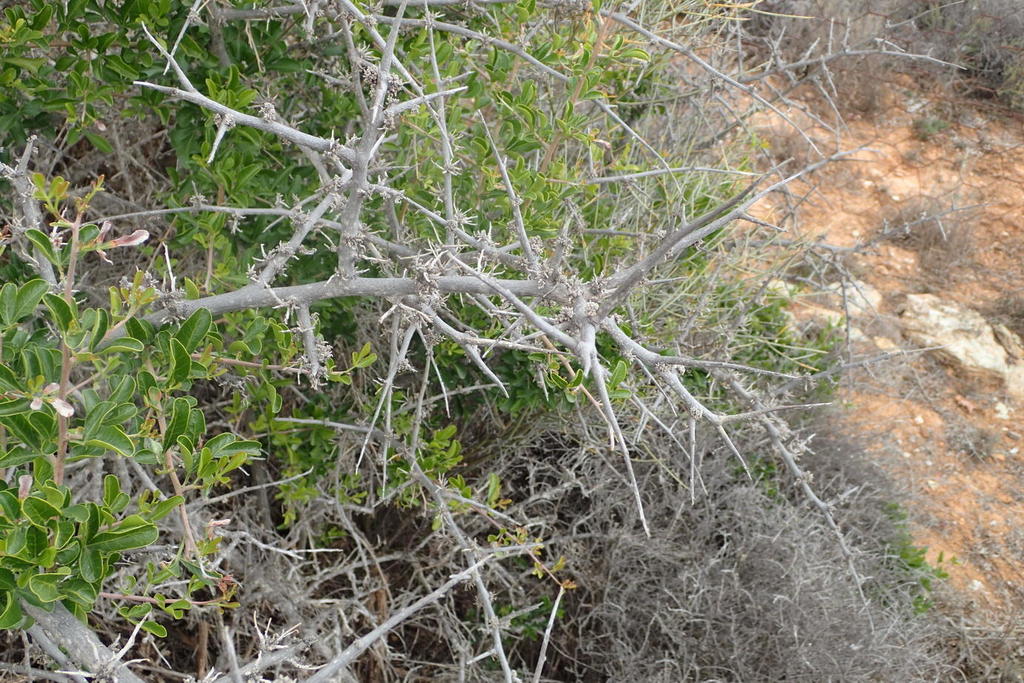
{"x": 304, "y": 303}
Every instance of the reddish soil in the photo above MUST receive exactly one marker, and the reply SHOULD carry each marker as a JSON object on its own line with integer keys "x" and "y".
{"x": 952, "y": 442}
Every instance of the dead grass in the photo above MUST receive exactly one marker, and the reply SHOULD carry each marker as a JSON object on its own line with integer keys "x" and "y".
{"x": 970, "y": 439}
{"x": 941, "y": 235}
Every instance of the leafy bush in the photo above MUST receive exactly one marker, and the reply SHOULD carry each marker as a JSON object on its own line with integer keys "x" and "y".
{"x": 297, "y": 299}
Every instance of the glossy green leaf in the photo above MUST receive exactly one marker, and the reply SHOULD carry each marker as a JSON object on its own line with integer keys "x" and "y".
{"x": 45, "y": 586}
{"x": 77, "y": 513}
{"x": 27, "y": 543}
{"x": 80, "y": 590}
{"x": 112, "y": 438}
{"x": 99, "y": 328}
{"x": 15, "y": 407}
{"x": 134, "y": 532}
{"x": 123, "y": 344}
{"x": 43, "y": 243}
{"x": 154, "y": 628}
{"x": 227, "y": 444}
{"x": 618, "y": 374}
{"x": 10, "y": 506}
{"x": 178, "y": 423}
{"x": 97, "y": 417}
{"x": 38, "y": 511}
{"x": 17, "y": 456}
{"x": 90, "y": 565}
{"x": 10, "y": 610}
{"x": 8, "y": 380}
{"x": 29, "y": 296}
{"x": 139, "y": 329}
{"x": 63, "y": 313}
{"x": 164, "y": 508}
{"x": 111, "y": 489}
{"x": 181, "y": 364}
{"x": 193, "y": 330}
{"x": 8, "y": 303}
{"x": 124, "y": 391}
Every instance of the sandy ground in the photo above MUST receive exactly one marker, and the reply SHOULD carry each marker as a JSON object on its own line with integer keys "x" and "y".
{"x": 951, "y": 442}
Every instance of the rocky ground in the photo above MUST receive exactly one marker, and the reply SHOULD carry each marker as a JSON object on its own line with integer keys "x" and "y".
{"x": 926, "y": 223}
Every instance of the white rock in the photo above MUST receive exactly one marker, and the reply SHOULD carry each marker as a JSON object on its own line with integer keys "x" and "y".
{"x": 966, "y": 340}
{"x": 1009, "y": 341}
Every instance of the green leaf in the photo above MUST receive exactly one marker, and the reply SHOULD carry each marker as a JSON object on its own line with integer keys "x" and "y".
{"x": 99, "y": 142}
{"x": 154, "y": 628}
{"x": 44, "y": 586}
{"x": 178, "y": 423}
{"x": 10, "y": 610}
{"x": 124, "y": 391}
{"x": 17, "y": 456}
{"x": 43, "y": 243}
{"x": 23, "y": 429}
{"x": 618, "y": 374}
{"x": 92, "y": 523}
{"x": 69, "y": 553}
{"x": 8, "y": 380}
{"x": 81, "y": 591}
{"x": 32, "y": 543}
{"x": 38, "y": 511}
{"x": 134, "y": 532}
{"x": 97, "y": 417}
{"x": 193, "y": 330}
{"x": 66, "y": 530}
{"x": 29, "y": 296}
{"x": 15, "y": 407}
{"x": 181, "y": 364}
{"x": 493, "y": 489}
{"x": 77, "y": 513}
{"x": 139, "y": 329}
{"x": 205, "y": 468}
{"x": 191, "y": 289}
{"x": 10, "y": 506}
{"x": 111, "y": 489}
{"x": 8, "y": 303}
{"x": 124, "y": 344}
{"x": 227, "y": 444}
{"x": 91, "y": 565}
{"x": 62, "y": 312}
{"x": 364, "y": 357}
{"x": 100, "y": 327}
{"x": 164, "y": 508}
{"x": 112, "y": 438}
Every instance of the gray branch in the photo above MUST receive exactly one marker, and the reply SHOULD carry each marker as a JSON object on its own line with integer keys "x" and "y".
{"x": 81, "y": 644}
